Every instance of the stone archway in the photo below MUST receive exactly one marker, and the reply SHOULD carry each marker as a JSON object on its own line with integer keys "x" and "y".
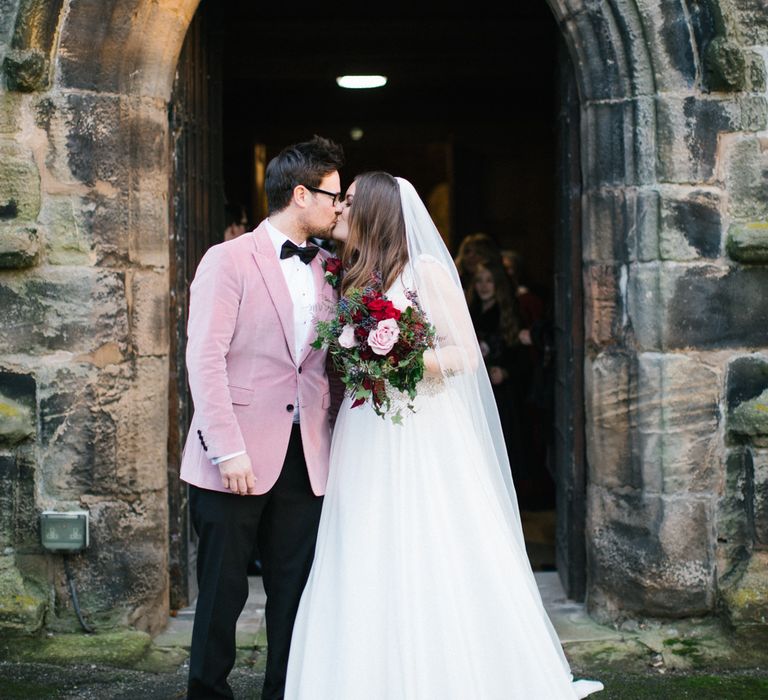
{"x": 86, "y": 341}
{"x": 672, "y": 107}
{"x": 672, "y": 98}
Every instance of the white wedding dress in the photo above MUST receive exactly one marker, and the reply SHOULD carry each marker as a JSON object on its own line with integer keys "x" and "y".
{"x": 417, "y": 590}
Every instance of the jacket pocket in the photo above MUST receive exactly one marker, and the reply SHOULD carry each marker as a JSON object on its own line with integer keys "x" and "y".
{"x": 240, "y": 395}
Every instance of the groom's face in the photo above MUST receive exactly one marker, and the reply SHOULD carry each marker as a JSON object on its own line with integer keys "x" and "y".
{"x": 322, "y": 213}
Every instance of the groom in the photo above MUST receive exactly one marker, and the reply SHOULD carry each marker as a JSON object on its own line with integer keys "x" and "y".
{"x": 256, "y": 458}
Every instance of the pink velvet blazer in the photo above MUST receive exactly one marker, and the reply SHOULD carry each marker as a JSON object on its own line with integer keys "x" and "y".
{"x": 242, "y": 370}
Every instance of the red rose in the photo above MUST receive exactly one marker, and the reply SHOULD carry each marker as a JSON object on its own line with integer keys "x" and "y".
{"x": 333, "y": 266}
{"x": 382, "y": 309}
{"x": 370, "y": 296}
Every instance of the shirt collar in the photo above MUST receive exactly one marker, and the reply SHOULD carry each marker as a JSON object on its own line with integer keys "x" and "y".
{"x": 278, "y": 238}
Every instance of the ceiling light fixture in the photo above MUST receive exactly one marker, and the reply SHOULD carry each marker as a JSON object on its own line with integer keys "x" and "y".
{"x": 361, "y": 82}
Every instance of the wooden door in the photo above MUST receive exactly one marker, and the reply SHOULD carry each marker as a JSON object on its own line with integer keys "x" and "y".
{"x": 196, "y": 223}
{"x": 570, "y": 460}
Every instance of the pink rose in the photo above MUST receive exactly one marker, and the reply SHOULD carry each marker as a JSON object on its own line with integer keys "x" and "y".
{"x": 383, "y": 338}
{"x": 347, "y": 337}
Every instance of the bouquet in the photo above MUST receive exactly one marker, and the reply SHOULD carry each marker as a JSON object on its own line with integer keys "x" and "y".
{"x": 376, "y": 347}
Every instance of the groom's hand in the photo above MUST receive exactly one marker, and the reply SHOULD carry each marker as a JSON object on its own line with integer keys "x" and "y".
{"x": 236, "y": 475}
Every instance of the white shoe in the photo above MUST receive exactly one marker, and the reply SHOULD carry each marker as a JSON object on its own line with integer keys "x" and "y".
{"x": 584, "y": 687}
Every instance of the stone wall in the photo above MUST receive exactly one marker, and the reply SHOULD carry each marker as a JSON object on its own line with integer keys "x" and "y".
{"x": 674, "y": 119}
{"x": 84, "y": 297}
{"x": 675, "y": 163}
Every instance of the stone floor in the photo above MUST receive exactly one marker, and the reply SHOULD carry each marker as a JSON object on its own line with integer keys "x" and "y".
{"x": 569, "y": 617}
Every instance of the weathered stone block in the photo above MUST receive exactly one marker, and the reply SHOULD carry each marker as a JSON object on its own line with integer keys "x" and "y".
{"x": 611, "y": 391}
{"x": 142, "y": 412}
{"x": 7, "y": 18}
{"x": 77, "y": 431}
{"x": 19, "y": 247}
{"x": 735, "y": 512}
{"x": 17, "y": 407}
{"x": 678, "y": 420}
{"x": 745, "y": 173}
{"x": 110, "y": 138}
{"x": 687, "y": 136}
{"x": 725, "y": 66}
{"x": 66, "y": 223}
{"x": 691, "y": 225}
{"x": 622, "y": 225}
{"x": 645, "y": 304}
{"x": 74, "y": 309}
{"x": 125, "y": 168}
{"x": 22, "y": 606}
{"x": 123, "y": 575}
{"x": 8, "y": 477}
{"x": 149, "y": 312}
{"x": 19, "y": 184}
{"x": 26, "y": 70}
{"x": 602, "y": 304}
{"x": 116, "y": 648}
{"x": 746, "y": 600}
{"x": 748, "y": 243}
{"x": 621, "y": 143}
{"x": 649, "y": 555}
{"x": 760, "y": 461}
{"x": 754, "y": 112}
{"x": 712, "y": 308}
{"x": 756, "y": 72}
{"x": 750, "y": 419}
{"x": 747, "y": 379}
{"x": 10, "y": 109}
{"x": 601, "y": 79}
{"x": 672, "y": 52}
{"x": 26, "y": 525}
{"x": 36, "y": 25}
{"x": 750, "y": 18}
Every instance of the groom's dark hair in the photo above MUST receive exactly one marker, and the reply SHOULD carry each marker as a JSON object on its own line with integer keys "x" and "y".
{"x": 305, "y": 163}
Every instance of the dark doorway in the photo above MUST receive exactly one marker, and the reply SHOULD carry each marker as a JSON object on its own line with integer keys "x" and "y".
{"x": 470, "y": 116}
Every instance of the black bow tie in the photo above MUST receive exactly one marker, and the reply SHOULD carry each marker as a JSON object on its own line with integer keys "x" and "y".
{"x": 306, "y": 253}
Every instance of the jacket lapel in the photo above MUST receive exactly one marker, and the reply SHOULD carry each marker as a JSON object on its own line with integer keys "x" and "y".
{"x": 269, "y": 266}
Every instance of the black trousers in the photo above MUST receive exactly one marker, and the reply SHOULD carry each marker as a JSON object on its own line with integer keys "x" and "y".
{"x": 284, "y": 523}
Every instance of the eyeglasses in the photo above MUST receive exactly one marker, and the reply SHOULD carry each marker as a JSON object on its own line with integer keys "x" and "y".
{"x": 336, "y": 196}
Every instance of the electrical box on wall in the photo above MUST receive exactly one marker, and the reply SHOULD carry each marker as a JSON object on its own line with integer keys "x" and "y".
{"x": 64, "y": 531}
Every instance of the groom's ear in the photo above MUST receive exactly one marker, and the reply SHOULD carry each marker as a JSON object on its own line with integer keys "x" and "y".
{"x": 301, "y": 196}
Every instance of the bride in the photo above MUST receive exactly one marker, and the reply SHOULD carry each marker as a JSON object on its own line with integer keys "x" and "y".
{"x": 421, "y": 588}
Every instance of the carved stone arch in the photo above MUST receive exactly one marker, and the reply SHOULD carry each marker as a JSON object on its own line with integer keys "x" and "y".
{"x": 656, "y": 83}
{"x": 673, "y": 110}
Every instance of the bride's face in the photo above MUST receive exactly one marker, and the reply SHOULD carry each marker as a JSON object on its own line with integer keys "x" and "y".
{"x": 341, "y": 230}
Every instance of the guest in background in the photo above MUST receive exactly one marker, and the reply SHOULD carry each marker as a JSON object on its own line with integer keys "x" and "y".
{"x": 532, "y": 307}
{"x": 495, "y": 316}
{"x": 537, "y": 334}
{"x": 475, "y": 249}
{"x": 235, "y": 221}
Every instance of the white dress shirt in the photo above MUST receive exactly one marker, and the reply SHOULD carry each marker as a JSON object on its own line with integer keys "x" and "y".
{"x": 301, "y": 285}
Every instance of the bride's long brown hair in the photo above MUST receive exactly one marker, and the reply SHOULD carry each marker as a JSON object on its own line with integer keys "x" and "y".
{"x": 376, "y": 242}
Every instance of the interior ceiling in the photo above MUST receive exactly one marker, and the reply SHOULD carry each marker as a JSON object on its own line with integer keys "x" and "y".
{"x": 447, "y": 68}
